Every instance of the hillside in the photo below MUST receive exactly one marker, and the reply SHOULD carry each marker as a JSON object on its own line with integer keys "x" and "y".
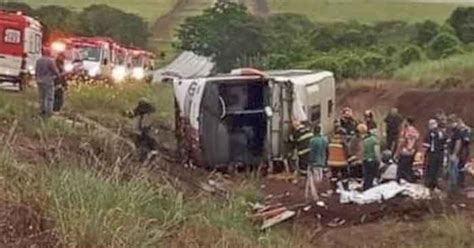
{"x": 366, "y": 10}
{"x": 149, "y": 9}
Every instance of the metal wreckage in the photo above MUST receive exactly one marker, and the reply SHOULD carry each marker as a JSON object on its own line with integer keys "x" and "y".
{"x": 245, "y": 117}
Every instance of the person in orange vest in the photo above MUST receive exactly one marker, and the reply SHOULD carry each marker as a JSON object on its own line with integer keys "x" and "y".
{"x": 337, "y": 157}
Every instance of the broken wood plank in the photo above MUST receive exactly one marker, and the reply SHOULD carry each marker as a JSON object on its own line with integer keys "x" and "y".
{"x": 269, "y": 213}
{"x": 277, "y": 219}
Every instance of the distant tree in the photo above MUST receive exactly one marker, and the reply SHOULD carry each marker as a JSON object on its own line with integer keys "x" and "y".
{"x": 103, "y": 20}
{"x": 352, "y": 67}
{"x": 411, "y": 54}
{"x": 58, "y": 19}
{"x": 278, "y": 61}
{"x": 327, "y": 63}
{"x": 443, "y": 45}
{"x": 374, "y": 63}
{"x": 226, "y": 32}
{"x": 324, "y": 39}
{"x": 289, "y": 35}
{"x": 462, "y": 20}
{"x": 425, "y": 32}
{"x": 391, "y": 50}
{"x": 16, "y": 6}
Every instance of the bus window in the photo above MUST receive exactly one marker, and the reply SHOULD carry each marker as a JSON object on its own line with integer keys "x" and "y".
{"x": 315, "y": 114}
{"x": 330, "y": 107}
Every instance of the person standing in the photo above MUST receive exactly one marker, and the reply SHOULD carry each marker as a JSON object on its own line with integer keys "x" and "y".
{"x": 46, "y": 72}
{"x": 393, "y": 122}
{"x": 59, "y": 83}
{"x": 407, "y": 148}
{"x": 372, "y": 156}
{"x": 370, "y": 121}
{"x": 318, "y": 161}
{"x": 347, "y": 122}
{"x": 355, "y": 152}
{"x": 302, "y": 136}
{"x": 465, "y": 133}
{"x": 434, "y": 145}
{"x": 454, "y": 152}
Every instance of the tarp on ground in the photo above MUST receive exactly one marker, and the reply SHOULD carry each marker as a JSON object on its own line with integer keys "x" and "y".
{"x": 186, "y": 65}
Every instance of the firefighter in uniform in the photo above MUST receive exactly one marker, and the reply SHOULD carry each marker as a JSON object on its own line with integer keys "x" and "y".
{"x": 302, "y": 136}
{"x": 337, "y": 157}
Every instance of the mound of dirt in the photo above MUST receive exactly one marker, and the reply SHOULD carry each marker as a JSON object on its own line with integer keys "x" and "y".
{"x": 21, "y": 226}
{"x": 419, "y": 103}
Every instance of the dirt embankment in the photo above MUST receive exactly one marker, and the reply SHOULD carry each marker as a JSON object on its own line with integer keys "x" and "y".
{"x": 422, "y": 104}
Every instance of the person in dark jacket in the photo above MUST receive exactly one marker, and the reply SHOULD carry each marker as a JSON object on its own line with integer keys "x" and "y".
{"x": 370, "y": 121}
{"x": 59, "y": 83}
{"x": 393, "y": 123}
{"x": 434, "y": 145}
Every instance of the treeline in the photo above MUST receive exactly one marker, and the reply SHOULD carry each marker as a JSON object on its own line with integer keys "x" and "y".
{"x": 234, "y": 38}
{"x": 95, "y": 20}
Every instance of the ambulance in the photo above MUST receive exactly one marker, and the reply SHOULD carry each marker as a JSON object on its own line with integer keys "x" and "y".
{"x": 246, "y": 117}
{"x": 20, "y": 47}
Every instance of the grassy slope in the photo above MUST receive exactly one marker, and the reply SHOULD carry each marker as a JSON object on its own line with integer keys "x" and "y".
{"x": 149, "y": 9}
{"x": 426, "y": 72}
{"x": 364, "y": 10}
{"x": 80, "y": 184}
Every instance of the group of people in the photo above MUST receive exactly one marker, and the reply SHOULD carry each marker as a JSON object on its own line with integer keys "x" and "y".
{"x": 354, "y": 150}
{"x": 50, "y": 77}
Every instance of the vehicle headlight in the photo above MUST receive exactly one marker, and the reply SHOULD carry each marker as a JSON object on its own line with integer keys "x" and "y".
{"x": 138, "y": 73}
{"x": 68, "y": 67}
{"x": 94, "y": 72}
{"x": 31, "y": 70}
{"x": 119, "y": 73}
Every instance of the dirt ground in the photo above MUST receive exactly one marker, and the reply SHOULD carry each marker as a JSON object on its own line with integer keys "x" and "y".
{"x": 422, "y": 104}
{"x": 22, "y": 226}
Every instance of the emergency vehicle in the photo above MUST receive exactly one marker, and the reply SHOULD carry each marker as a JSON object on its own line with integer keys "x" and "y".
{"x": 141, "y": 64}
{"x": 246, "y": 116}
{"x": 94, "y": 56}
{"x": 20, "y": 47}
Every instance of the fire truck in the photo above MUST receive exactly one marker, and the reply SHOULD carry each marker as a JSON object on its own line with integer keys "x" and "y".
{"x": 20, "y": 47}
{"x": 92, "y": 57}
{"x": 140, "y": 64}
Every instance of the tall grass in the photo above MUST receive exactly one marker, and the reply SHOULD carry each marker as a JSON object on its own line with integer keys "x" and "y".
{"x": 106, "y": 102}
{"x": 427, "y": 72}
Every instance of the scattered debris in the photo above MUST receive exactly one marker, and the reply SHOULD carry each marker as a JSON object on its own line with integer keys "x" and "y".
{"x": 277, "y": 219}
{"x": 336, "y": 222}
{"x": 307, "y": 208}
{"x": 321, "y": 204}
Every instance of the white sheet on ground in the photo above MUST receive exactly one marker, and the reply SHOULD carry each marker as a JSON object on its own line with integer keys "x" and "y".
{"x": 384, "y": 192}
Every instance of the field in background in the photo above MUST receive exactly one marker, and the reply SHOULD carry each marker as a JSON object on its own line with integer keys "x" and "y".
{"x": 365, "y": 10}
{"x": 149, "y": 9}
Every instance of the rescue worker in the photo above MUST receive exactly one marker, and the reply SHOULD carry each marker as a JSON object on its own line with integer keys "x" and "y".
{"x": 318, "y": 161}
{"x": 46, "y": 72}
{"x": 145, "y": 143}
{"x": 59, "y": 83}
{"x": 466, "y": 134}
{"x": 302, "y": 136}
{"x": 347, "y": 122}
{"x": 407, "y": 148}
{"x": 337, "y": 158}
{"x": 454, "y": 152}
{"x": 355, "y": 153}
{"x": 370, "y": 122}
{"x": 434, "y": 145}
{"x": 371, "y": 156}
{"x": 393, "y": 122}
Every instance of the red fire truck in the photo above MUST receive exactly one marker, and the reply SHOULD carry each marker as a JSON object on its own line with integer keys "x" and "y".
{"x": 20, "y": 46}
{"x": 140, "y": 64}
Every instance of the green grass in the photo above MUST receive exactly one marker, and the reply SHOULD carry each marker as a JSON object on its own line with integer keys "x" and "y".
{"x": 148, "y": 9}
{"x": 364, "y": 10}
{"x": 427, "y": 72}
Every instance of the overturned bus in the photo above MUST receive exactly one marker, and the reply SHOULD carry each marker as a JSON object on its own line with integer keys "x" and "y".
{"x": 246, "y": 116}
